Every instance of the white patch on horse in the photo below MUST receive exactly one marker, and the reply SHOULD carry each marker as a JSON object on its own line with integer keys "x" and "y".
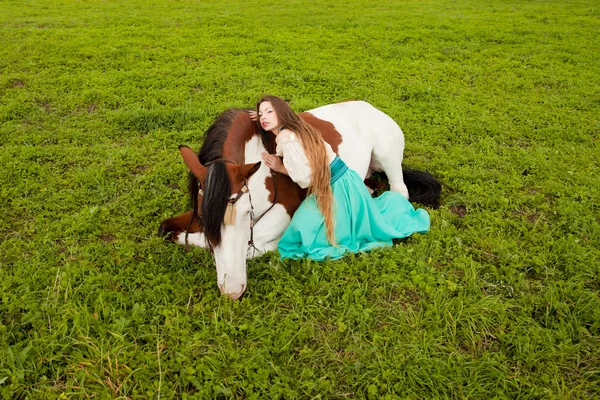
{"x": 252, "y": 150}
{"x": 195, "y": 239}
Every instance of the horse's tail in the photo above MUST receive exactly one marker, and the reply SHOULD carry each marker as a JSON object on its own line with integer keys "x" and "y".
{"x": 423, "y": 187}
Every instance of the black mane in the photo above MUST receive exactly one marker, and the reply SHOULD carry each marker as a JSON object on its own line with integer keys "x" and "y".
{"x": 217, "y": 188}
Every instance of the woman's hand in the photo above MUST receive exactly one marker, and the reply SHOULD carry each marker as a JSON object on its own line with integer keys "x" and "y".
{"x": 273, "y": 162}
{"x": 252, "y": 114}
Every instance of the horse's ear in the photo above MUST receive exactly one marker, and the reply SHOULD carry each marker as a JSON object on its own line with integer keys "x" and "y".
{"x": 191, "y": 160}
{"x": 247, "y": 170}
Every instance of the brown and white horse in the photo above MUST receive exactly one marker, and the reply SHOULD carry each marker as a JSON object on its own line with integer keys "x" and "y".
{"x": 241, "y": 208}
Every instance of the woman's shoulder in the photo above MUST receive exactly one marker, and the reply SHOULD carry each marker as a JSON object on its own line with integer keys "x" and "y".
{"x": 288, "y": 142}
{"x": 286, "y": 134}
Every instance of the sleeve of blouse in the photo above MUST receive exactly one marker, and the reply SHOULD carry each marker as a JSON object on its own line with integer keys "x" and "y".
{"x": 295, "y": 161}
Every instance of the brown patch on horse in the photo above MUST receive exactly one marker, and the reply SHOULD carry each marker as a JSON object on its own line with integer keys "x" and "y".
{"x": 241, "y": 131}
{"x": 289, "y": 194}
{"x": 171, "y": 227}
{"x": 328, "y": 131}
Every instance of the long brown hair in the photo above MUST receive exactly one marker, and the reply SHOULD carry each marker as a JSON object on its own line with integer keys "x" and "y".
{"x": 314, "y": 147}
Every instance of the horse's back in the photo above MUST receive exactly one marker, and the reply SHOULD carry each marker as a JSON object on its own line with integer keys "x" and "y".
{"x": 370, "y": 138}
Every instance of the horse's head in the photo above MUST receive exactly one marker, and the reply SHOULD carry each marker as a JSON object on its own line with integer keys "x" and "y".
{"x": 224, "y": 208}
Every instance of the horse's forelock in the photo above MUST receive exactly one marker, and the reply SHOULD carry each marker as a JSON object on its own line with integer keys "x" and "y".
{"x": 217, "y": 190}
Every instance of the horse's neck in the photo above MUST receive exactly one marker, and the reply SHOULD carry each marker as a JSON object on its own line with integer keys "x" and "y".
{"x": 239, "y": 133}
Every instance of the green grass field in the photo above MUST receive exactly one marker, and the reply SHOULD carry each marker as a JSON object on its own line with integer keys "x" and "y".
{"x": 500, "y": 100}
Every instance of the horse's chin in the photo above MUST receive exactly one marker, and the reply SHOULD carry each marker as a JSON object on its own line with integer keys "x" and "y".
{"x": 232, "y": 295}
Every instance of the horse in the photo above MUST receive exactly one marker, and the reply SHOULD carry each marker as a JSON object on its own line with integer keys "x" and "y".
{"x": 241, "y": 208}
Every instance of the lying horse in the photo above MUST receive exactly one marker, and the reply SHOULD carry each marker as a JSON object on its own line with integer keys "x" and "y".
{"x": 241, "y": 208}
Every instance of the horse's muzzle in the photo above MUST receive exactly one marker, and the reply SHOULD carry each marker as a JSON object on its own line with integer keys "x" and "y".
{"x": 233, "y": 296}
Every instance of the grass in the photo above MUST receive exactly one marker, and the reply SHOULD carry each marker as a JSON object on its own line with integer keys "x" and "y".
{"x": 500, "y": 100}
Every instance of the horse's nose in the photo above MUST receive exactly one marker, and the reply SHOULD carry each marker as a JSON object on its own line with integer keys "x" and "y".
{"x": 232, "y": 295}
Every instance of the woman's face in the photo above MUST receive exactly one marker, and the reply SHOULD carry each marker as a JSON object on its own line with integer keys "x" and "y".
{"x": 267, "y": 116}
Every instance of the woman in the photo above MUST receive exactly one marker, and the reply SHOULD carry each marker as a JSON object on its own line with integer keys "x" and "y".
{"x": 338, "y": 216}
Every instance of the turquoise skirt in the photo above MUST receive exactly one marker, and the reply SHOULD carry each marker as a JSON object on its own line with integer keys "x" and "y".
{"x": 362, "y": 223}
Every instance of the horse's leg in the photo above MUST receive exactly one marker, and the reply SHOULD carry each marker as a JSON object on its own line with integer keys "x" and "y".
{"x": 388, "y": 151}
{"x": 174, "y": 229}
{"x": 268, "y": 231}
{"x": 424, "y": 187}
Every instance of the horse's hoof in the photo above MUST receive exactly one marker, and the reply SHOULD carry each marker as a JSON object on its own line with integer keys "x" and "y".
{"x": 163, "y": 233}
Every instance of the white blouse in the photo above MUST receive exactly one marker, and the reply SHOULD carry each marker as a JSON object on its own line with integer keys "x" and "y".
{"x": 295, "y": 161}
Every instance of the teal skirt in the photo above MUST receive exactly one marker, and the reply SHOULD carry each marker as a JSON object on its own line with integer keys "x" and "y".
{"x": 362, "y": 223}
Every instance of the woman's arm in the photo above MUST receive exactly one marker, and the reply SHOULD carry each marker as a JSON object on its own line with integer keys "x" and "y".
{"x": 295, "y": 164}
